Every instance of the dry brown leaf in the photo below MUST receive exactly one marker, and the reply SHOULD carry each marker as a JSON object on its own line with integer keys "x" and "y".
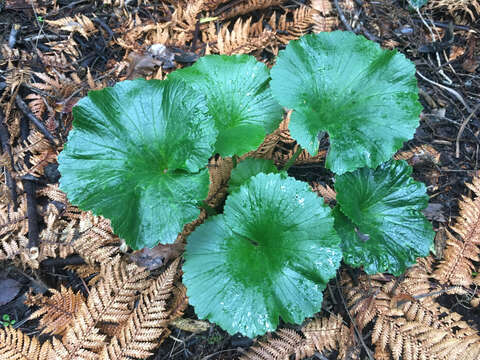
{"x": 56, "y": 312}
{"x": 80, "y": 23}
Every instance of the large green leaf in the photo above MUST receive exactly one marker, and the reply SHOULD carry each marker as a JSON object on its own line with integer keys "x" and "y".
{"x": 269, "y": 255}
{"x": 418, "y": 3}
{"x": 363, "y": 96}
{"x": 137, "y": 154}
{"x": 384, "y": 229}
{"x": 239, "y": 99}
{"x": 248, "y": 168}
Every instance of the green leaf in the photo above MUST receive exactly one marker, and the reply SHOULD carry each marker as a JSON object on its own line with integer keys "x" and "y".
{"x": 137, "y": 154}
{"x": 417, "y": 3}
{"x": 363, "y": 96}
{"x": 269, "y": 255}
{"x": 249, "y": 168}
{"x": 239, "y": 99}
{"x": 384, "y": 229}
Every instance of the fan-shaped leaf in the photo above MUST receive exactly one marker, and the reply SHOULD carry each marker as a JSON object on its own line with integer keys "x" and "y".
{"x": 270, "y": 254}
{"x": 137, "y": 155}
{"x": 248, "y": 168}
{"x": 239, "y": 99}
{"x": 384, "y": 229}
{"x": 363, "y": 96}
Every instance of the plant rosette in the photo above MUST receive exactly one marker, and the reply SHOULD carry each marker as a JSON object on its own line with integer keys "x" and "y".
{"x": 137, "y": 154}
{"x": 378, "y": 217}
{"x": 269, "y": 255}
{"x": 365, "y": 97}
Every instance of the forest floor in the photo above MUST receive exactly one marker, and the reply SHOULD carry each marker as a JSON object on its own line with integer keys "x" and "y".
{"x": 53, "y": 52}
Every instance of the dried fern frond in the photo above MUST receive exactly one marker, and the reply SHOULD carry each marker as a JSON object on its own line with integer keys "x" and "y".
{"x": 213, "y": 4}
{"x": 410, "y": 340}
{"x": 56, "y": 238}
{"x": 409, "y": 323}
{"x": 289, "y": 30}
{"x": 421, "y": 153}
{"x": 330, "y": 333}
{"x": 146, "y": 327}
{"x": 13, "y": 234}
{"x": 86, "y": 271}
{"x": 323, "y": 17}
{"x": 56, "y": 60}
{"x": 111, "y": 300}
{"x": 18, "y": 69}
{"x": 78, "y": 24}
{"x": 36, "y": 104}
{"x": 248, "y": 7}
{"x": 56, "y": 312}
{"x": 243, "y": 38}
{"x": 219, "y": 171}
{"x": 40, "y": 153}
{"x": 456, "y": 268}
{"x": 458, "y": 8}
{"x": 185, "y": 18}
{"x": 13, "y": 222}
{"x": 326, "y": 192}
{"x": 282, "y": 344}
{"x": 96, "y": 242}
{"x": 325, "y": 334}
{"x": 15, "y": 345}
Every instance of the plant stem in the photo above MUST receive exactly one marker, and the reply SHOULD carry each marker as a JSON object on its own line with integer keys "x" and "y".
{"x": 291, "y": 161}
{"x": 210, "y": 210}
{"x": 235, "y": 161}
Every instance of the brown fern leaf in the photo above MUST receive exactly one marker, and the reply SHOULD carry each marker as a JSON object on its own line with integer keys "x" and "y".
{"x": 365, "y": 299}
{"x": 56, "y": 60}
{"x": 15, "y": 345}
{"x": 213, "y": 4}
{"x": 248, "y": 7}
{"x": 13, "y": 234}
{"x": 243, "y": 38}
{"x": 281, "y": 345}
{"x": 86, "y": 271}
{"x": 13, "y": 222}
{"x": 79, "y": 24}
{"x": 456, "y": 267}
{"x": 146, "y": 327}
{"x": 323, "y": 17}
{"x": 58, "y": 85}
{"x": 289, "y": 30}
{"x": 53, "y": 193}
{"x": 35, "y": 143}
{"x": 458, "y": 8}
{"x": 185, "y": 18}
{"x": 326, "y": 192}
{"x": 36, "y": 104}
{"x": 330, "y": 333}
{"x": 56, "y": 311}
{"x": 96, "y": 243}
{"x": 408, "y": 322}
{"x": 419, "y": 154}
{"x": 408, "y": 340}
{"x": 57, "y": 238}
{"x": 219, "y": 170}
{"x": 111, "y": 300}
{"x": 179, "y": 302}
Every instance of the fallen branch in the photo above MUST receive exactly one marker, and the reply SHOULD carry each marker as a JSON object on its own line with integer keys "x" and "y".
{"x": 39, "y": 125}
{"x": 4, "y": 141}
{"x": 30, "y": 187}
